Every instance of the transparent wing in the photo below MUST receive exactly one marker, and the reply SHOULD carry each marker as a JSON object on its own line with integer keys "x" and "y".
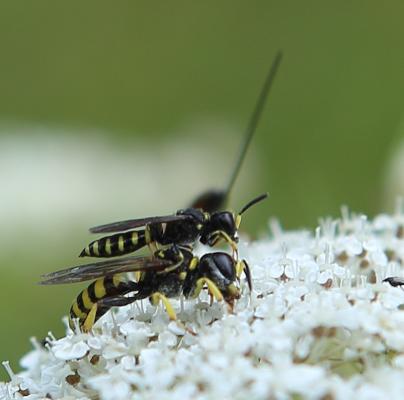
{"x": 96, "y": 270}
{"x": 136, "y": 223}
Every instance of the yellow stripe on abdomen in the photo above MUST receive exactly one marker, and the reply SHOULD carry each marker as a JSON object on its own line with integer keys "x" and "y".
{"x": 134, "y": 238}
{"x": 99, "y": 289}
{"x": 87, "y": 303}
{"x": 121, "y": 243}
{"x": 95, "y": 248}
{"x": 108, "y": 246}
{"x": 77, "y": 312}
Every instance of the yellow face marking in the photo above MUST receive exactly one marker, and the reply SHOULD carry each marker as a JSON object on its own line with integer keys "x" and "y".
{"x": 90, "y": 320}
{"x": 95, "y": 248}
{"x": 108, "y": 246}
{"x": 193, "y": 264}
{"x": 86, "y": 299}
{"x": 182, "y": 276}
{"x": 99, "y": 289}
{"x": 77, "y": 312}
{"x": 134, "y": 238}
{"x": 121, "y": 243}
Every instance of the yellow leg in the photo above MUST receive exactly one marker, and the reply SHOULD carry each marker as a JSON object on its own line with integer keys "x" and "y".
{"x": 175, "y": 266}
{"x": 213, "y": 289}
{"x": 90, "y": 320}
{"x": 157, "y": 297}
{"x": 231, "y": 242}
{"x": 239, "y": 268}
{"x": 153, "y": 247}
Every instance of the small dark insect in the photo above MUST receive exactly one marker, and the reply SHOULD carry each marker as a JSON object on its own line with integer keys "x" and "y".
{"x": 394, "y": 281}
{"x": 183, "y": 228}
{"x": 172, "y": 272}
{"x": 216, "y": 199}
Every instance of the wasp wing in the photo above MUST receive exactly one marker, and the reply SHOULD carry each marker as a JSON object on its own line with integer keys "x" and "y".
{"x": 96, "y": 270}
{"x": 136, "y": 223}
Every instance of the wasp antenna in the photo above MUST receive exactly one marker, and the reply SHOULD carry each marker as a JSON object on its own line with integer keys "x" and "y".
{"x": 254, "y": 119}
{"x": 247, "y": 272}
{"x": 253, "y": 202}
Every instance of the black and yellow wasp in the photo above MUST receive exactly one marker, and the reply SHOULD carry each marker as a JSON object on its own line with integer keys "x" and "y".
{"x": 203, "y": 220}
{"x": 172, "y": 269}
{"x": 158, "y": 281}
{"x": 183, "y": 228}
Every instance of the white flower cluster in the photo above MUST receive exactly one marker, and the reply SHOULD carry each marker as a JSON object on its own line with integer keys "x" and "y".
{"x": 319, "y": 324}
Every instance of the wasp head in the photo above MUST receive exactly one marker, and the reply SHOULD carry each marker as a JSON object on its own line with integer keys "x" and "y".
{"x": 221, "y": 225}
{"x": 220, "y": 268}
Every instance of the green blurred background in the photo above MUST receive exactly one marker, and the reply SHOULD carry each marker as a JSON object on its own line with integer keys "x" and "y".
{"x": 161, "y": 91}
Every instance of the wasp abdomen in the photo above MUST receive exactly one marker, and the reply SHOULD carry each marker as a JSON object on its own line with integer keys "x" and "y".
{"x": 98, "y": 290}
{"x": 115, "y": 245}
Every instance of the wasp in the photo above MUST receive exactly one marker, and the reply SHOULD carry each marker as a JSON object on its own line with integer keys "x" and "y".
{"x": 183, "y": 228}
{"x": 159, "y": 281}
{"x": 214, "y": 199}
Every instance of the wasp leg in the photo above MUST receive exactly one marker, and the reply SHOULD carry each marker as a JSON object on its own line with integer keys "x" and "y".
{"x": 92, "y": 303}
{"x": 229, "y": 240}
{"x": 89, "y": 321}
{"x": 156, "y": 297}
{"x": 241, "y": 267}
{"x": 247, "y": 272}
{"x": 104, "y": 305}
{"x": 213, "y": 289}
{"x": 151, "y": 244}
{"x": 153, "y": 247}
{"x": 172, "y": 254}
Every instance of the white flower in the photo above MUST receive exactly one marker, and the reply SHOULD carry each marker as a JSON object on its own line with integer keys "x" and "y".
{"x": 318, "y": 324}
{"x": 70, "y": 348}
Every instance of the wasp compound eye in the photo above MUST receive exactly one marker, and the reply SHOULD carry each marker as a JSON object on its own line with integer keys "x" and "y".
{"x": 219, "y": 267}
{"x": 223, "y": 221}
{"x": 225, "y": 265}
